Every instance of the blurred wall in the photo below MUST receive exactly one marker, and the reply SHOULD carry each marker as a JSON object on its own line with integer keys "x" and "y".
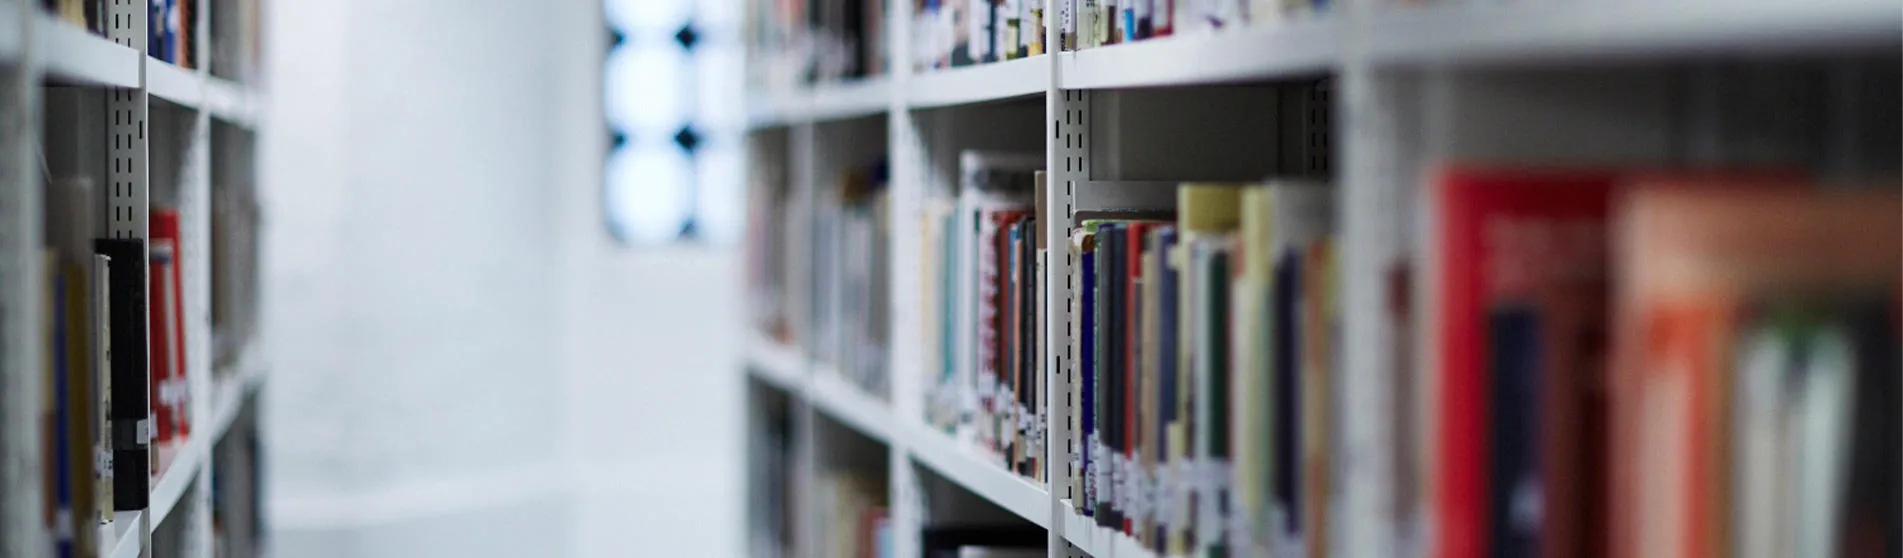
{"x": 463, "y": 364}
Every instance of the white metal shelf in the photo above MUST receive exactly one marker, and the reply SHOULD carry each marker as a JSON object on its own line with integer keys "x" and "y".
{"x": 1557, "y": 31}
{"x": 1251, "y": 53}
{"x": 11, "y": 21}
{"x": 865, "y": 97}
{"x": 172, "y": 83}
{"x": 776, "y": 364}
{"x": 1101, "y": 542}
{"x": 831, "y": 101}
{"x": 122, "y": 538}
{"x": 1377, "y": 56}
{"x": 196, "y": 452}
{"x": 231, "y": 102}
{"x": 75, "y": 55}
{"x": 991, "y": 481}
{"x": 846, "y": 403}
{"x": 997, "y": 81}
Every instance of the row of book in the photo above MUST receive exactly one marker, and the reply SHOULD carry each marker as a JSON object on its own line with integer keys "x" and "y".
{"x": 1736, "y": 396}
{"x": 1095, "y": 23}
{"x": 802, "y": 42}
{"x": 170, "y": 32}
{"x": 117, "y": 384}
{"x": 1622, "y": 363}
{"x": 116, "y": 393}
{"x": 1207, "y": 339}
{"x": 983, "y": 305}
{"x": 851, "y": 272}
{"x": 957, "y": 33}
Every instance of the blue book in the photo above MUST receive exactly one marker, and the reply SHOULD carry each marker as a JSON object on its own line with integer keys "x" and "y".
{"x": 1087, "y": 370}
{"x": 1287, "y": 377}
{"x": 1516, "y": 357}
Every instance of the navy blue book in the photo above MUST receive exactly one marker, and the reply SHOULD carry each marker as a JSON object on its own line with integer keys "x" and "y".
{"x": 1287, "y": 378}
{"x": 1110, "y": 382}
{"x": 1514, "y": 338}
{"x": 1087, "y": 358}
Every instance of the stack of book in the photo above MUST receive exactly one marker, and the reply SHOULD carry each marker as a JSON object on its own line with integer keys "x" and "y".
{"x": 984, "y": 305}
{"x": 956, "y": 33}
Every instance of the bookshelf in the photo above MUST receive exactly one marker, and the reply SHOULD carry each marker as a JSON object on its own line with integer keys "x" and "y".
{"x": 143, "y": 134}
{"x": 1407, "y": 85}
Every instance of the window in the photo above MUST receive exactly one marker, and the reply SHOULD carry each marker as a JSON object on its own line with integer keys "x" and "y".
{"x": 676, "y": 110}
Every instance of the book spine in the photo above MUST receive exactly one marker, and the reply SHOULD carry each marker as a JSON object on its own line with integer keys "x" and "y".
{"x": 160, "y": 322}
{"x": 131, "y": 421}
{"x": 1086, "y": 361}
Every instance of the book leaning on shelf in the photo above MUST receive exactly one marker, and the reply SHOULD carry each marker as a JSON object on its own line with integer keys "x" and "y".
{"x": 78, "y": 460}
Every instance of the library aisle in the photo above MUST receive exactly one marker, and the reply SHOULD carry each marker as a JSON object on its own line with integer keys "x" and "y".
{"x": 951, "y": 278}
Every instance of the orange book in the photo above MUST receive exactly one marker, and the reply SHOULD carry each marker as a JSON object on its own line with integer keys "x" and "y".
{"x": 1692, "y": 262}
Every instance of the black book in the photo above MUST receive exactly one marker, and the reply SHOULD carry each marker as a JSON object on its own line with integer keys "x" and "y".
{"x": 131, "y": 426}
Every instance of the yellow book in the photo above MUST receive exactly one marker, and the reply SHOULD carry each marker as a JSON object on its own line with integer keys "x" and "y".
{"x": 1249, "y": 383}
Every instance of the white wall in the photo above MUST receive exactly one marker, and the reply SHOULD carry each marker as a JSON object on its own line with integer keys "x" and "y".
{"x": 463, "y": 363}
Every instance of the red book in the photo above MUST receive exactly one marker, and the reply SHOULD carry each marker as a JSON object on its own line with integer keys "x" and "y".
{"x": 165, "y": 225}
{"x": 1513, "y": 242}
{"x": 159, "y": 371}
{"x": 1135, "y": 234}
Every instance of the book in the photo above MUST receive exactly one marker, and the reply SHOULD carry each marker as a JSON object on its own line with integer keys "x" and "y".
{"x": 132, "y": 427}
{"x": 78, "y": 361}
{"x": 1206, "y": 216}
{"x": 987, "y": 382}
{"x": 1755, "y": 321}
{"x": 1520, "y": 262}
{"x": 159, "y": 323}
